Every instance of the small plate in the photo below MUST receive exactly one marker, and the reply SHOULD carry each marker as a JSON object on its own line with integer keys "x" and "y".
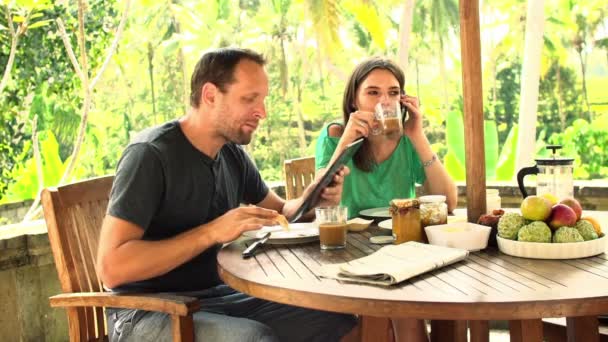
{"x": 358, "y": 224}
{"x": 386, "y": 224}
{"x": 297, "y": 233}
{"x": 376, "y": 212}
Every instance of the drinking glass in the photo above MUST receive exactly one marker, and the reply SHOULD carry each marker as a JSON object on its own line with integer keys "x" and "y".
{"x": 332, "y": 226}
{"x": 388, "y": 116}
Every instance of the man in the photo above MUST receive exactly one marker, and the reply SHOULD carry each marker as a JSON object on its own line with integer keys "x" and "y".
{"x": 175, "y": 200}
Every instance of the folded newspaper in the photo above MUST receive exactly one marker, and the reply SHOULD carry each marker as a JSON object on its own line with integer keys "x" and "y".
{"x": 395, "y": 263}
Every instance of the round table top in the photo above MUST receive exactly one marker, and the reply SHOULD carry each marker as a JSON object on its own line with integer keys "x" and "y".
{"x": 487, "y": 285}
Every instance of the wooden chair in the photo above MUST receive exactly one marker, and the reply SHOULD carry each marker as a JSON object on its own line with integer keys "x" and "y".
{"x": 555, "y": 330}
{"x": 299, "y": 173}
{"x": 73, "y": 215}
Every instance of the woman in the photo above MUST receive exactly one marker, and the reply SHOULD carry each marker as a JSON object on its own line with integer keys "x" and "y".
{"x": 385, "y": 167}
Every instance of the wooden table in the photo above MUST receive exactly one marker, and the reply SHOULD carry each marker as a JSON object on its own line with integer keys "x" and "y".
{"x": 488, "y": 285}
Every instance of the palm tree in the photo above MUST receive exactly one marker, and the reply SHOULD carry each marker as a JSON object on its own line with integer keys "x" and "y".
{"x": 443, "y": 17}
{"x": 530, "y": 78}
{"x": 405, "y": 29}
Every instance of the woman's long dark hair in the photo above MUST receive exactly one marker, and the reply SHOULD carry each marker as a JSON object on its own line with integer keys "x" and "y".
{"x": 363, "y": 159}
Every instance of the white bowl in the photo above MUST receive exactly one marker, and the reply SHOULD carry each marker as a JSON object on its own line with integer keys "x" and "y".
{"x": 358, "y": 224}
{"x": 546, "y": 250}
{"x": 464, "y": 235}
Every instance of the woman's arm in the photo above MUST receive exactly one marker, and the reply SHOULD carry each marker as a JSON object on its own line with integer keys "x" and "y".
{"x": 359, "y": 125}
{"x": 438, "y": 181}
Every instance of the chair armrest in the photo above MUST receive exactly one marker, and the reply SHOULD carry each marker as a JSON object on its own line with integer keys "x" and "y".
{"x": 160, "y": 302}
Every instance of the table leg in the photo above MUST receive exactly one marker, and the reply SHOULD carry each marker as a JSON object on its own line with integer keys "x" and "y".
{"x": 584, "y": 328}
{"x": 442, "y": 330}
{"x": 480, "y": 331}
{"x": 526, "y": 330}
{"x": 375, "y": 329}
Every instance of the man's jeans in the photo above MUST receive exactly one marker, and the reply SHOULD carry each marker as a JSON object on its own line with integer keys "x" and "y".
{"x": 227, "y": 315}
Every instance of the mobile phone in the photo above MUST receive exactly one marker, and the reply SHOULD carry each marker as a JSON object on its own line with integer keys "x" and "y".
{"x": 313, "y": 198}
{"x": 405, "y": 113}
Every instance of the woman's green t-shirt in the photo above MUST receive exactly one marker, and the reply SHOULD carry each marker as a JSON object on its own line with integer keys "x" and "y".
{"x": 396, "y": 177}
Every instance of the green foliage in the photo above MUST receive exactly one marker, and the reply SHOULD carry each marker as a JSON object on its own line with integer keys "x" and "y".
{"x": 25, "y": 176}
{"x": 498, "y": 166}
{"x": 12, "y": 142}
{"x": 559, "y": 101}
{"x": 502, "y": 103}
{"x": 586, "y": 143}
{"x": 505, "y": 168}
{"x": 311, "y": 47}
{"x": 491, "y": 148}
{"x": 43, "y": 82}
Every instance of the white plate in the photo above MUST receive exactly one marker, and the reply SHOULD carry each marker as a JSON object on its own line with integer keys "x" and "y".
{"x": 297, "y": 233}
{"x": 386, "y": 224}
{"x": 540, "y": 250}
{"x": 376, "y": 212}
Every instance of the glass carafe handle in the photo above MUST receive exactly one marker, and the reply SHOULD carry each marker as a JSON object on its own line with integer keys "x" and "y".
{"x": 532, "y": 170}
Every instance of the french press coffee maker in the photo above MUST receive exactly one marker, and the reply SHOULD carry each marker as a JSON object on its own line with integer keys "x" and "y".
{"x": 554, "y": 175}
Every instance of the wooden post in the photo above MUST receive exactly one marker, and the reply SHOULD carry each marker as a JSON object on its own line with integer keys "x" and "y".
{"x": 470, "y": 51}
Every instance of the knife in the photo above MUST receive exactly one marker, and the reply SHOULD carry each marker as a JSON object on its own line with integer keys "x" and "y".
{"x": 250, "y": 251}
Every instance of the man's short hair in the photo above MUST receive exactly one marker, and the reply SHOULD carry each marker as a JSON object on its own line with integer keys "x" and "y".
{"x": 217, "y": 66}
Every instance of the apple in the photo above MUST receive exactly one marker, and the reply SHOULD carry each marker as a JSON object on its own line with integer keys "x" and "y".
{"x": 575, "y": 205}
{"x": 562, "y": 215}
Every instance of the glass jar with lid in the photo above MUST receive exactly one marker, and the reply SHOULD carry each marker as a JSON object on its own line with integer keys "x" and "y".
{"x": 492, "y": 200}
{"x": 406, "y": 220}
{"x": 433, "y": 211}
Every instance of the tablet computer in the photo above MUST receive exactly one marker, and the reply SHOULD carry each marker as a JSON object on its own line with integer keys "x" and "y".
{"x": 313, "y": 198}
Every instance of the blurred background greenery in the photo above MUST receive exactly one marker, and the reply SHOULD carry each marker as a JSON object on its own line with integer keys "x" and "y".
{"x": 311, "y": 45}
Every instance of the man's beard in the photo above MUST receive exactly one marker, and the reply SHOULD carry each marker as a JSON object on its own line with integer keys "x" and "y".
{"x": 242, "y": 138}
{"x": 237, "y": 136}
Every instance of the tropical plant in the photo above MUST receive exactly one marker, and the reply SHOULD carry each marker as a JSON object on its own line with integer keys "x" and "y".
{"x": 26, "y": 176}
{"x": 495, "y": 159}
{"x": 585, "y": 142}
{"x": 311, "y": 47}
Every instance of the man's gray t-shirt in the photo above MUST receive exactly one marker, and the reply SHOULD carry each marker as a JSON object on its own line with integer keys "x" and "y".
{"x": 166, "y": 186}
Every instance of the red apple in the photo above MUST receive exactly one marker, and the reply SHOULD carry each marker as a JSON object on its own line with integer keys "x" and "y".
{"x": 562, "y": 215}
{"x": 575, "y": 205}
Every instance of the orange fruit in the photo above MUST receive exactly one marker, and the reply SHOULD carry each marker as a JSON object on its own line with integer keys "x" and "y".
{"x": 594, "y": 222}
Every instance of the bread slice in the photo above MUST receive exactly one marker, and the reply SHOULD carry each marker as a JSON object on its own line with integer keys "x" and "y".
{"x": 282, "y": 220}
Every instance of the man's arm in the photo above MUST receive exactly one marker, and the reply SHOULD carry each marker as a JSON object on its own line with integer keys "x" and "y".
{"x": 123, "y": 257}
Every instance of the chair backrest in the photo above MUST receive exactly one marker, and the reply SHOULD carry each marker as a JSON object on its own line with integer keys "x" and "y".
{"x": 298, "y": 174}
{"x": 73, "y": 215}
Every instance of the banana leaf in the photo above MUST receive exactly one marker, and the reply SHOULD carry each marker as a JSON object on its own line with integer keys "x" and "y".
{"x": 454, "y": 167}
{"x": 491, "y": 148}
{"x": 455, "y": 137}
{"x": 455, "y": 159}
{"x": 25, "y": 176}
{"x": 505, "y": 169}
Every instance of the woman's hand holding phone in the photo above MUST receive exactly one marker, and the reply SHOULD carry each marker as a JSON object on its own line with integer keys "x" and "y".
{"x": 413, "y": 118}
